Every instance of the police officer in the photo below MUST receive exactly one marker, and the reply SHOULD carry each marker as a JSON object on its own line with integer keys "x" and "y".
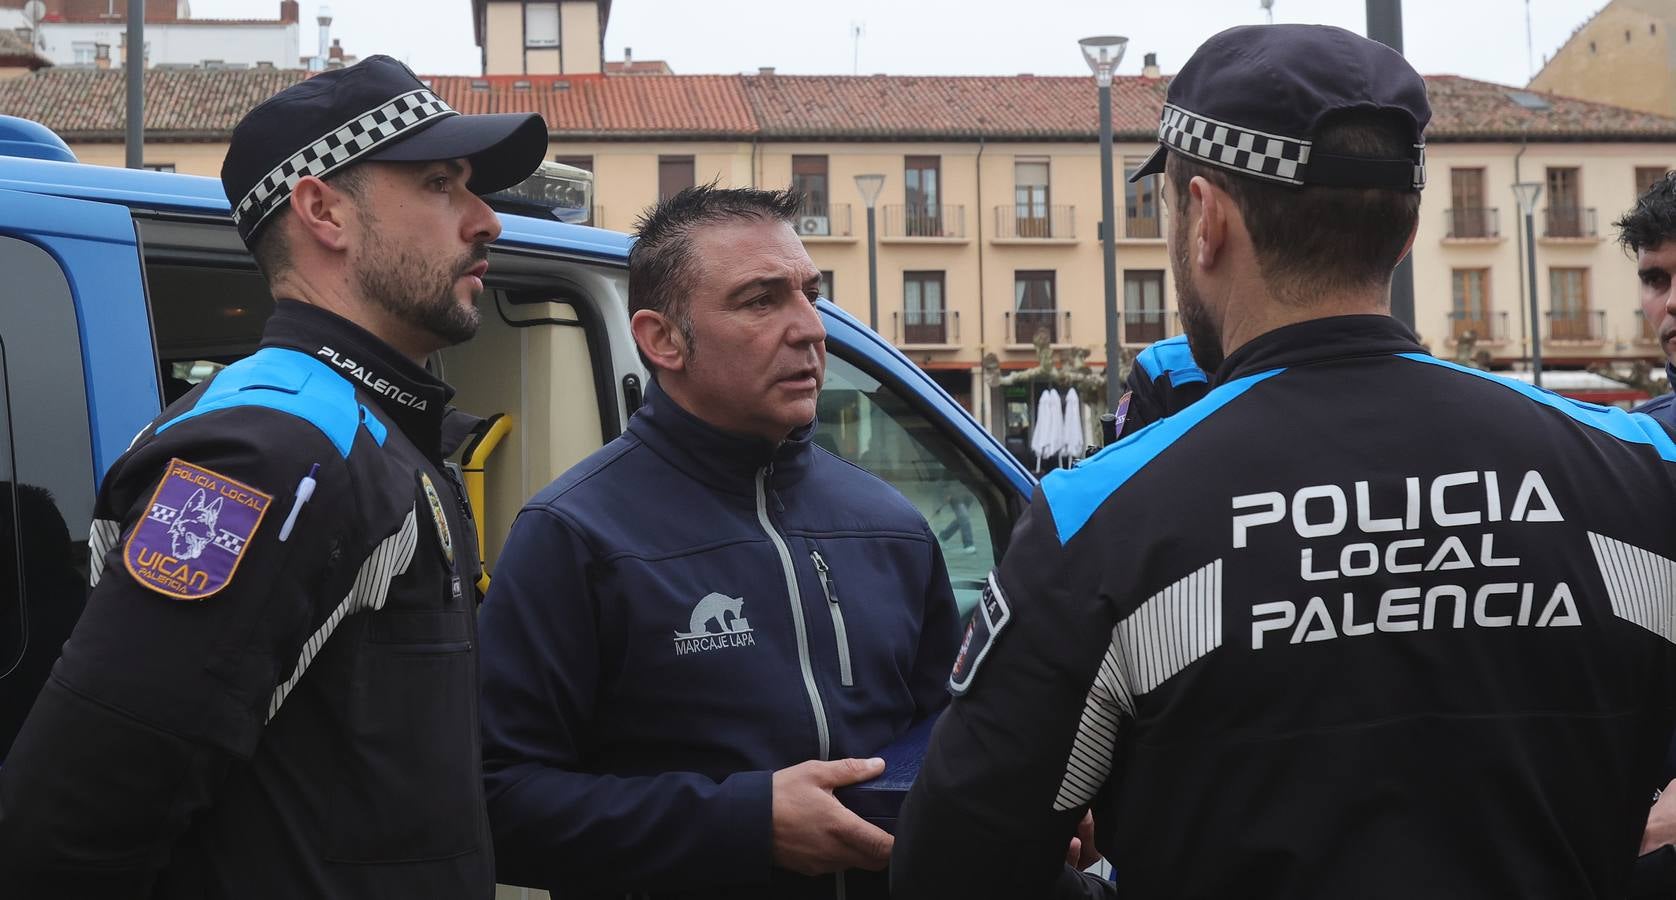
{"x": 1359, "y": 622}
{"x": 1164, "y": 380}
{"x": 272, "y": 691}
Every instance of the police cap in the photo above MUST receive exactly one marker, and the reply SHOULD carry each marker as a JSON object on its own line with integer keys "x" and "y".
{"x": 376, "y": 109}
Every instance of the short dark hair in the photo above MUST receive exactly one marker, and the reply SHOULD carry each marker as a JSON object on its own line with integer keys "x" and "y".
{"x": 661, "y": 263}
{"x": 272, "y": 250}
{"x": 1652, "y": 220}
{"x": 1315, "y": 239}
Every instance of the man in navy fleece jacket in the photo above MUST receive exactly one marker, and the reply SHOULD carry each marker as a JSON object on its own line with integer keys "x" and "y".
{"x": 694, "y": 633}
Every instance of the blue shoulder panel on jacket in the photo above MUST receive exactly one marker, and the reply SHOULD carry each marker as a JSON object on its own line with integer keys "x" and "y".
{"x": 1074, "y": 494}
{"x": 1171, "y": 356}
{"x": 1634, "y": 428}
{"x": 291, "y": 382}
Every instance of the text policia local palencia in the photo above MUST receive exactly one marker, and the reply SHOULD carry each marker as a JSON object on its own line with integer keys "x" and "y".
{"x": 1456, "y": 500}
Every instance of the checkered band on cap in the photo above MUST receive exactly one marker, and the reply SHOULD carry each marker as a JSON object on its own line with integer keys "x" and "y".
{"x": 345, "y": 144}
{"x": 1243, "y": 150}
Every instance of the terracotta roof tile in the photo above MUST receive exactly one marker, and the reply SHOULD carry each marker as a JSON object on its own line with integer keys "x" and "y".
{"x": 199, "y": 104}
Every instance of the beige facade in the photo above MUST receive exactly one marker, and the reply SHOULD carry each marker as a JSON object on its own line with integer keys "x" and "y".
{"x": 543, "y": 37}
{"x": 1625, "y": 56}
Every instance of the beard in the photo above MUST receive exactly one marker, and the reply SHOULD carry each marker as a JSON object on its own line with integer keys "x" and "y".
{"x": 1204, "y": 339}
{"x": 418, "y": 290}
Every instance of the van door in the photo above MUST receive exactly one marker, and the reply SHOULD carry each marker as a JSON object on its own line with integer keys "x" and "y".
{"x": 70, "y": 295}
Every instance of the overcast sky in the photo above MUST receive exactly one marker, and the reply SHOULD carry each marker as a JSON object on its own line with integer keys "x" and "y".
{"x": 1477, "y": 38}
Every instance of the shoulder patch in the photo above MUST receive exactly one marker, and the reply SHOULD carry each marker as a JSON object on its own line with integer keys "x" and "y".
{"x": 291, "y": 382}
{"x": 991, "y": 615}
{"x": 195, "y": 532}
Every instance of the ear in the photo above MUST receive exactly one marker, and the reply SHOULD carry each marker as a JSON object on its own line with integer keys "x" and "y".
{"x": 194, "y": 502}
{"x": 659, "y": 339}
{"x": 214, "y": 509}
{"x": 323, "y": 213}
{"x": 1210, "y": 236}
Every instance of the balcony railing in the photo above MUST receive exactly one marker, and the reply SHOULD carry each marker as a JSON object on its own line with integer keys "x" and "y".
{"x": 831, "y": 220}
{"x": 925, "y": 221}
{"x": 1015, "y": 221}
{"x": 1576, "y": 325}
{"x": 1144, "y": 326}
{"x": 1568, "y": 222}
{"x": 925, "y": 327}
{"x": 1486, "y": 328}
{"x": 1139, "y": 227}
{"x": 1022, "y": 325}
{"x": 1472, "y": 222}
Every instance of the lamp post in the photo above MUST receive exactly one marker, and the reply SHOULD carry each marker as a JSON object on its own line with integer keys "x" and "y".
{"x": 1103, "y": 53}
{"x": 134, "y": 62}
{"x": 1527, "y": 193}
{"x": 869, "y": 186}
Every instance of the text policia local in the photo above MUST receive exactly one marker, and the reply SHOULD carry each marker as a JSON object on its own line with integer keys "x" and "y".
{"x": 1456, "y": 500}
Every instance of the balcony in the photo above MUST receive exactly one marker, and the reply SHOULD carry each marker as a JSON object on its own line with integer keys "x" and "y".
{"x": 1143, "y": 228}
{"x": 1021, "y": 223}
{"x": 1577, "y": 326}
{"x": 926, "y": 328}
{"x": 829, "y": 221}
{"x": 944, "y": 222}
{"x": 1144, "y": 326}
{"x": 1569, "y": 222}
{"x": 1485, "y": 328}
{"x": 1023, "y": 324}
{"x": 1472, "y": 224}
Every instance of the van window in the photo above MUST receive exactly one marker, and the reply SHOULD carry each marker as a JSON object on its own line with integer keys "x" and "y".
{"x": 875, "y": 427}
{"x": 46, "y": 475}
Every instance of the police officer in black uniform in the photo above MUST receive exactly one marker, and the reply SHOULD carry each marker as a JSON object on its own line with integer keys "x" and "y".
{"x": 272, "y": 692}
{"x": 1164, "y": 380}
{"x": 1358, "y": 623}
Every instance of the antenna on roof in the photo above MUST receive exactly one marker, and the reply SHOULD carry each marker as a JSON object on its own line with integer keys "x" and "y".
{"x": 857, "y": 29}
{"x": 1268, "y": 9}
{"x": 34, "y": 11}
{"x": 1530, "y": 55}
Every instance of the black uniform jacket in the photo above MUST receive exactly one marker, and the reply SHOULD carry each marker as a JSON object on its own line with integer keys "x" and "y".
{"x": 256, "y": 708}
{"x": 1358, "y": 623}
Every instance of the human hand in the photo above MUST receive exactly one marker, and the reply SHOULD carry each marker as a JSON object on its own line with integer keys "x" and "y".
{"x": 1661, "y": 821}
{"x": 1082, "y": 852}
{"x": 814, "y": 834}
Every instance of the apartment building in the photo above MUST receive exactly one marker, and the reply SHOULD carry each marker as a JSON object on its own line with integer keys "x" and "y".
{"x": 987, "y": 222}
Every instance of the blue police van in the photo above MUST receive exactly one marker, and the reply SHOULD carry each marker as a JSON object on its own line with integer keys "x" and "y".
{"x": 120, "y": 289}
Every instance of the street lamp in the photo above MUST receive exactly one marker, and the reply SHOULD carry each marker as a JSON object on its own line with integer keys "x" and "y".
{"x": 1103, "y": 53}
{"x": 1527, "y": 193}
{"x": 869, "y": 186}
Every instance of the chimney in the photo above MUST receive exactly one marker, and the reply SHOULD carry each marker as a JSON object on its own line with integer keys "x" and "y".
{"x": 102, "y": 55}
{"x": 290, "y": 12}
{"x": 1149, "y": 68}
{"x": 337, "y": 51}
{"x": 628, "y": 57}
{"x": 324, "y": 19}
{"x": 765, "y": 70}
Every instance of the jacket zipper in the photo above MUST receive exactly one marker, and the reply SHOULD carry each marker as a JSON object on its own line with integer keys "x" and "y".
{"x": 845, "y": 676}
{"x": 796, "y": 597}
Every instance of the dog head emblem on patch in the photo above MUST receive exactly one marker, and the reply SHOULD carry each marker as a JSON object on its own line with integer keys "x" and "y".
{"x": 442, "y": 532}
{"x": 717, "y": 621}
{"x": 195, "y": 532}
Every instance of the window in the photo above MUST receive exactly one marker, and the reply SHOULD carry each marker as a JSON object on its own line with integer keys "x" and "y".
{"x": 1565, "y": 213}
{"x": 1143, "y": 306}
{"x": 583, "y": 162}
{"x": 160, "y": 167}
{"x": 46, "y": 479}
{"x": 1646, "y": 177}
{"x": 1033, "y": 307}
{"x": 808, "y": 177}
{"x": 826, "y": 285}
{"x": 1569, "y": 318}
{"x": 83, "y": 53}
{"x": 923, "y": 315}
{"x": 541, "y": 24}
{"x": 872, "y": 426}
{"x": 1470, "y": 305}
{"x": 1468, "y": 215}
{"x": 1030, "y": 199}
{"x": 675, "y": 174}
{"x": 924, "y": 213}
{"x": 1141, "y": 214}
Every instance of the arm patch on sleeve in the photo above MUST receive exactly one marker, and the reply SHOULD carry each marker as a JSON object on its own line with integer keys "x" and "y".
{"x": 986, "y": 623}
{"x": 195, "y": 532}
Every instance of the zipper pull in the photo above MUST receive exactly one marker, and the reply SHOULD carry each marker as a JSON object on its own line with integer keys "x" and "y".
{"x": 825, "y": 573}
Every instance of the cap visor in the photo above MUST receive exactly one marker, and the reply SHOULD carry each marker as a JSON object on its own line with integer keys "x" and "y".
{"x": 504, "y": 149}
{"x": 1154, "y": 165}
